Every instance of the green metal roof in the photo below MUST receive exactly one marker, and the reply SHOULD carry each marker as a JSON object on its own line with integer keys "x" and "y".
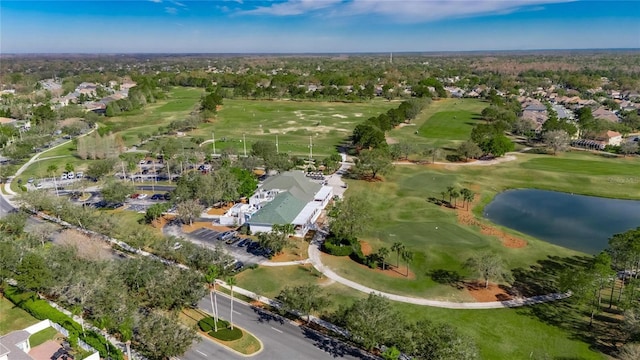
{"x": 295, "y": 183}
{"x": 281, "y": 210}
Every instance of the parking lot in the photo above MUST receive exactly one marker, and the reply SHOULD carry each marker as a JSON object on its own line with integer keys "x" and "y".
{"x": 242, "y": 254}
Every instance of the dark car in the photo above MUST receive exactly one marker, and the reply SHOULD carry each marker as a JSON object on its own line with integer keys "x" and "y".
{"x": 237, "y": 266}
{"x": 167, "y": 196}
{"x": 157, "y": 197}
{"x": 244, "y": 242}
{"x": 252, "y": 246}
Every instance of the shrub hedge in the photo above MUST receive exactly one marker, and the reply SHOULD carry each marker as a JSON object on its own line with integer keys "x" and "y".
{"x": 41, "y": 310}
{"x": 226, "y": 334}
{"x": 206, "y": 324}
{"x": 337, "y": 249}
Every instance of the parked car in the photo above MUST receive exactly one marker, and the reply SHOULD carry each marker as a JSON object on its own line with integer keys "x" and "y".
{"x": 239, "y": 265}
{"x": 142, "y": 196}
{"x": 70, "y": 175}
{"x": 243, "y": 243}
{"x": 30, "y": 181}
{"x": 233, "y": 240}
{"x": 134, "y": 196}
{"x": 228, "y": 235}
{"x": 64, "y": 176}
{"x": 79, "y": 175}
{"x": 157, "y": 197}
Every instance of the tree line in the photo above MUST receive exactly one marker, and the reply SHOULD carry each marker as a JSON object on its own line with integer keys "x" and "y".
{"x": 136, "y": 299}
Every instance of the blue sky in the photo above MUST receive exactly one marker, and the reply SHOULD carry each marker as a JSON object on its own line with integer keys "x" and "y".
{"x": 294, "y": 26}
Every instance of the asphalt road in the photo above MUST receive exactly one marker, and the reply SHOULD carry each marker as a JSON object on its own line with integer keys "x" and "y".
{"x": 280, "y": 339}
{"x": 5, "y": 207}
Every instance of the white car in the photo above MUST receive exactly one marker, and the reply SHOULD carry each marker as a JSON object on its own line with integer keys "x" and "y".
{"x": 64, "y": 176}
{"x": 70, "y": 175}
{"x": 142, "y": 196}
{"x": 79, "y": 175}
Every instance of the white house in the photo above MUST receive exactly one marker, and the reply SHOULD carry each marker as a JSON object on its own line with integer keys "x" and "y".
{"x": 15, "y": 346}
{"x": 288, "y": 198}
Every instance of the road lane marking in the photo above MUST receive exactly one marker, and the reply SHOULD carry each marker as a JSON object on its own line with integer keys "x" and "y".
{"x": 201, "y": 353}
{"x": 235, "y": 312}
{"x": 280, "y": 331}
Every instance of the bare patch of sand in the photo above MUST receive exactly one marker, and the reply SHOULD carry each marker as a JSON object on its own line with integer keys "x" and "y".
{"x": 466, "y": 217}
{"x": 492, "y": 293}
{"x": 220, "y": 210}
{"x": 391, "y": 140}
{"x": 366, "y": 248}
{"x": 339, "y": 116}
{"x": 357, "y": 114}
{"x": 87, "y": 247}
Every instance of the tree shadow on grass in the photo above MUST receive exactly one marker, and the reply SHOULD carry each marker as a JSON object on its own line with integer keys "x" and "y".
{"x": 447, "y": 277}
{"x": 542, "y": 278}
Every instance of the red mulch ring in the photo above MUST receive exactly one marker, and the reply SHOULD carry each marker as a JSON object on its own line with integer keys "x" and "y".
{"x": 492, "y": 293}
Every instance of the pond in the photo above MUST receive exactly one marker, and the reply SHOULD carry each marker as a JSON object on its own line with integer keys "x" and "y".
{"x": 578, "y": 222}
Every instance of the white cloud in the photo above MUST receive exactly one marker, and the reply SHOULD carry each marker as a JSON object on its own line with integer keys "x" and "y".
{"x": 417, "y": 11}
{"x": 170, "y": 10}
{"x": 178, "y": 3}
{"x": 156, "y": 1}
{"x": 400, "y": 10}
{"x": 293, "y": 7}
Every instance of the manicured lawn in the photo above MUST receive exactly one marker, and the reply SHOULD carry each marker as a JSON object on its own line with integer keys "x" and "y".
{"x": 450, "y": 125}
{"x": 43, "y": 335}
{"x": 570, "y": 164}
{"x": 507, "y": 333}
{"x": 179, "y": 103}
{"x": 328, "y": 123}
{"x": 442, "y": 123}
{"x": 268, "y": 281}
{"x": 13, "y": 318}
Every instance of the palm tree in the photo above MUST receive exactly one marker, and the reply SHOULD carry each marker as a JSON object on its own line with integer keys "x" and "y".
{"x": 398, "y": 248}
{"x": 468, "y": 196}
{"x": 383, "y": 252}
{"x": 443, "y": 193}
{"x": 450, "y": 190}
{"x": 231, "y": 281}
{"x": 464, "y": 193}
{"x": 211, "y": 276}
{"x": 407, "y": 256}
{"x": 455, "y": 195}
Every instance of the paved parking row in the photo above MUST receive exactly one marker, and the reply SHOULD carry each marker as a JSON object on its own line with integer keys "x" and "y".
{"x": 240, "y": 253}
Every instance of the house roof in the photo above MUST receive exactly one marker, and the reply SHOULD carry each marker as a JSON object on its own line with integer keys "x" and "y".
{"x": 535, "y": 107}
{"x": 283, "y": 209}
{"x": 602, "y": 113}
{"x": 295, "y": 183}
{"x": 611, "y": 134}
{"x": 8, "y": 345}
{"x": 4, "y": 120}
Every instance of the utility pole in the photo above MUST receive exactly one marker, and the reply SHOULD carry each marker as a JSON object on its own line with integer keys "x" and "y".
{"x": 124, "y": 174}
{"x": 244, "y": 143}
{"x": 277, "y": 149}
{"x": 310, "y": 148}
{"x": 213, "y": 137}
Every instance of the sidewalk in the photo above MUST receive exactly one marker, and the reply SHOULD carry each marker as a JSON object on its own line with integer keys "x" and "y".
{"x": 314, "y": 256}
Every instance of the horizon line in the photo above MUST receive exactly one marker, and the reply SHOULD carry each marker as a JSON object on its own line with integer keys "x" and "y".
{"x": 327, "y": 53}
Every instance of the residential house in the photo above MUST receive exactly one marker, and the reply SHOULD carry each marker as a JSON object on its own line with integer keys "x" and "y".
{"x": 15, "y": 346}
{"x": 602, "y": 113}
{"x": 287, "y": 198}
{"x": 535, "y": 112}
{"x": 609, "y": 137}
